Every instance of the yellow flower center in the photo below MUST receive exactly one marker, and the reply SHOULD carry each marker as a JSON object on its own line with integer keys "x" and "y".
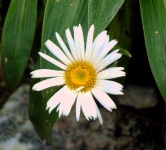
{"x": 80, "y": 73}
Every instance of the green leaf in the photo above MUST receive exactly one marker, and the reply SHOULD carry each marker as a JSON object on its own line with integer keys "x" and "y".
{"x": 101, "y": 12}
{"x": 124, "y": 52}
{"x": 17, "y": 39}
{"x": 42, "y": 121}
{"x": 59, "y": 15}
{"x": 154, "y": 25}
{"x": 37, "y": 40}
{"x": 120, "y": 27}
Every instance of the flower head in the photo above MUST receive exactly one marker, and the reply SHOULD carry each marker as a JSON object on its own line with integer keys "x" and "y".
{"x": 84, "y": 73}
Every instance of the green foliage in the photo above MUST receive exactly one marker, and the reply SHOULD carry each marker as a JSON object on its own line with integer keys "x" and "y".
{"x": 59, "y": 16}
{"x": 17, "y": 39}
{"x": 42, "y": 121}
{"x": 154, "y": 24}
{"x": 120, "y": 28}
{"x": 56, "y": 19}
{"x": 101, "y": 12}
{"x": 28, "y": 27}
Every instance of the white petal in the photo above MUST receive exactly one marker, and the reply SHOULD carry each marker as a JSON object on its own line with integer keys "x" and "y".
{"x": 41, "y": 73}
{"x": 56, "y": 51}
{"x": 53, "y": 61}
{"x": 55, "y": 99}
{"x": 98, "y": 44}
{"x": 110, "y": 87}
{"x": 48, "y": 83}
{"x": 66, "y": 99}
{"x": 99, "y": 115}
{"x": 81, "y": 99}
{"x": 89, "y": 42}
{"x": 63, "y": 46}
{"x": 91, "y": 105}
{"x": 98, "y": 57}
{"x": 88, "y": 105}
{"x": 60, "y": 110}
{"x": 111, "y": 73}
{"x": 104, "y": 99}
{"x": 71, "y": 44}
{"x": 78, "y": 108}
{"x": 76, "y": 40}
{"x": 67, "y": 102}
{"x": 106, "y": 49}
{"x": 112, "y": 57}
{"x": 81, "y": 42}
{"x": 78, "y": 89}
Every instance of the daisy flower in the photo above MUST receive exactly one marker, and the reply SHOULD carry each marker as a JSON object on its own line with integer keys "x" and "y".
{"x": 84, "y": 73}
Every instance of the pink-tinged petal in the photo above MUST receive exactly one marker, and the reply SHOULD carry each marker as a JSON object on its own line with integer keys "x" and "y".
{"x": 67, "y": 101}
{"x": 104, "y": 99}
{"x": 110, "y": 87}
{"x": 79, "y": 89}
{"x": 64, "y": 47}
{"x": 53, "y": 61}
{"x": 88, "y": 105}
{"x": 64, "y": 98}
{"x": 81, "y": 99}
{"x": 78, "y": 108}
{"x": 52, "y": 103}
{"x": 99, "y": 115}
{"x": 48, "y": 83}
{"x": 42, "y": 73}
{"x": 111, "y": 73}
{"x": 56, "y": 51}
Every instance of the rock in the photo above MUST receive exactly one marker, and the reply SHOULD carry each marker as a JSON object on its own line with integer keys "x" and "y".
{"x": 138, "y": 97}
{"x": 16, "y": 130}
{"x": 120, "y": 131}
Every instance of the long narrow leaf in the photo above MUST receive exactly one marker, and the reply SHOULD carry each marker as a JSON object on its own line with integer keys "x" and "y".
{"x": 17, "y": 39}
{"x": 59, "y": 15}
{"x": 101, "y": 12}
{"x": 154, "y": 24}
